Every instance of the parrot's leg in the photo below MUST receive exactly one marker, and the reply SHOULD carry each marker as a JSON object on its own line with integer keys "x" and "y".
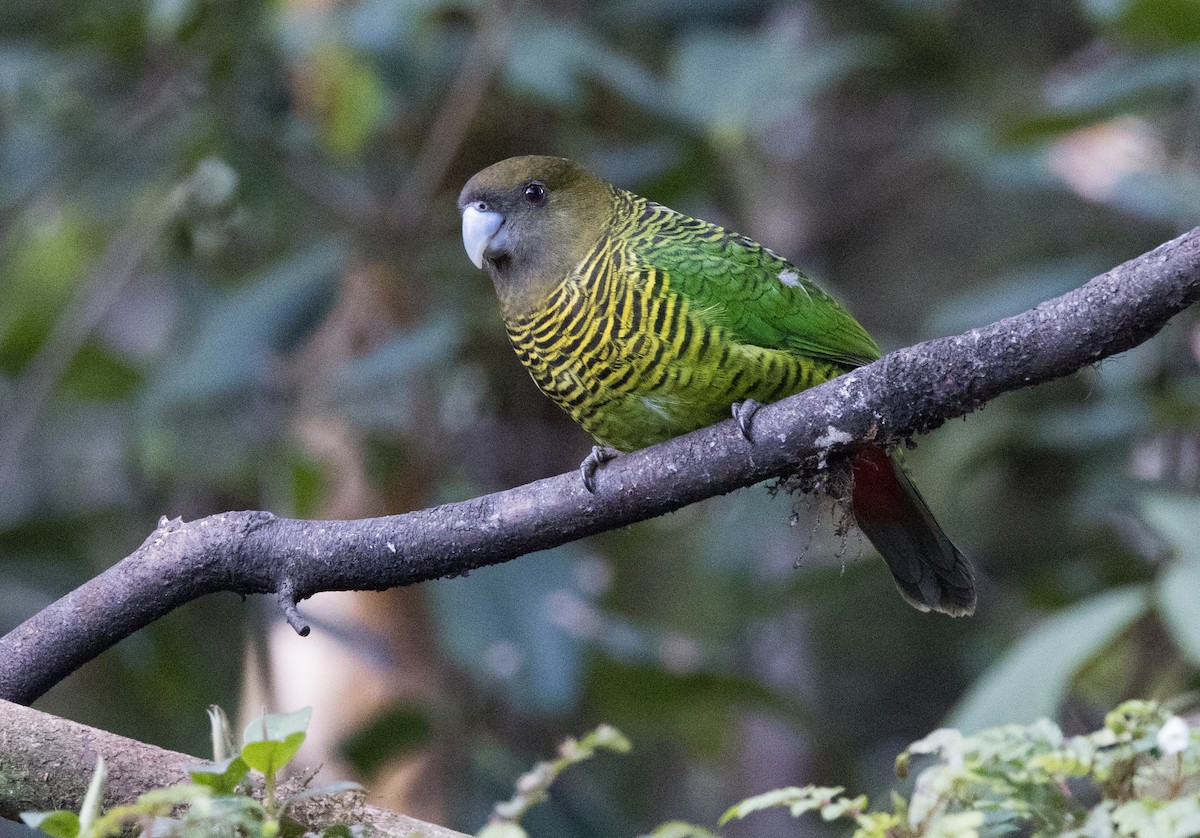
{"x": 600, "y": 455}
{"x": 742, "y": 412}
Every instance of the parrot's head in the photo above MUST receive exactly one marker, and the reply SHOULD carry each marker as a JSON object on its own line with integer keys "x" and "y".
{"x": 528, "y": 221}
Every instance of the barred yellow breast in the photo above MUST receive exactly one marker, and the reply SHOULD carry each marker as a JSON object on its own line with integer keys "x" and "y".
{"x": 632, "y": 360}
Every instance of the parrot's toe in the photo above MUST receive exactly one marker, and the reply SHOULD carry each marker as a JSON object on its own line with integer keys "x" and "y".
{"x": 600, "y": 455}
{"x": 742, "y": 412}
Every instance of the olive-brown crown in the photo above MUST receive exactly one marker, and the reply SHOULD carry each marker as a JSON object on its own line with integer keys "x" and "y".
{"x": 554, "y": 211}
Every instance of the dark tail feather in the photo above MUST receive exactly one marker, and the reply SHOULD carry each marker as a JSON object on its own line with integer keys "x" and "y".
{"x": 928, "y": 569}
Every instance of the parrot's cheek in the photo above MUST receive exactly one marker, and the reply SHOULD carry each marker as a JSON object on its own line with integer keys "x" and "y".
{"x": 481, "y": 230}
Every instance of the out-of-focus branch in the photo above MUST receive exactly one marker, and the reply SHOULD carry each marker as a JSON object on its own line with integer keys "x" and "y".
{"x": 450, "y": 126}
{"x": 353, "y": 200}
{"x": 46, "y": 764}
{"x": 116, "y": 268}
{"x": 907, "y": 392}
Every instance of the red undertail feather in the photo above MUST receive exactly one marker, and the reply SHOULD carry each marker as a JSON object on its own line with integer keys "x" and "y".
{"x": 929, "y": 571}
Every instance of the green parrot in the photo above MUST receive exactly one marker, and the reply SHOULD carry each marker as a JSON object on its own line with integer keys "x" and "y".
{"x": 643, "y": 324}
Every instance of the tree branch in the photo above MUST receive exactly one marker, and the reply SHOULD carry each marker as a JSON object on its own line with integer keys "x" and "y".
{"x": 46, "y": 764}
{"x": 907, "y": 392}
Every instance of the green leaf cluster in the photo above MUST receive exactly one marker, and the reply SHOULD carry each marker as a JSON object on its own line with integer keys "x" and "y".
{"x": 1137, "y": 776}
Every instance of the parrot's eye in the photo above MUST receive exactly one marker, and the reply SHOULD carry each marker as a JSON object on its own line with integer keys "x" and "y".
{"x": 535, "y": 193}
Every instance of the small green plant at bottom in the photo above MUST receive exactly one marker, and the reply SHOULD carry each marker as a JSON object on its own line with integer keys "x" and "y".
{"x": 218, "y": 801}
{"x": 1137, "y": 776}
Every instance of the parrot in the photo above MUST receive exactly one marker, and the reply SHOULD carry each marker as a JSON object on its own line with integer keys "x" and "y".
{"x": 643, "y": 323}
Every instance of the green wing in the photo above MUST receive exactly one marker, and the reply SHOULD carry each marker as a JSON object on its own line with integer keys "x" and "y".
{"x": 761, "y": 298}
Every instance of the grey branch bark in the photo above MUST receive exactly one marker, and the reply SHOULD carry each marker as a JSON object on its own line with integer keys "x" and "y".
{"x": 907, "y": 392}
{"x": 46, "y": 764}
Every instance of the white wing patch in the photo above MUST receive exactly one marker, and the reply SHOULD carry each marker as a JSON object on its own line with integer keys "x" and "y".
{"x": 792, "y": 279}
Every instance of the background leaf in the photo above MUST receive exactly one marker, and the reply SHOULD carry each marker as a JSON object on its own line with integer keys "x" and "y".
{"x": 1030, "y": 682}
{"x": 58, "y": 824}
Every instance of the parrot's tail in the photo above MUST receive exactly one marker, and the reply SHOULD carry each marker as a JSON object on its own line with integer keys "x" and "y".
{"x": 929, "y": 571}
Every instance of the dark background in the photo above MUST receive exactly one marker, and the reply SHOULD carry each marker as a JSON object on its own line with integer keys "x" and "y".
{"x": 231, "y": 277}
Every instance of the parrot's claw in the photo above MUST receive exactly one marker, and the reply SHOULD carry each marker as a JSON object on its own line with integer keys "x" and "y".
{"x": 742, "y": 412}
{"x": 600, "y": 455}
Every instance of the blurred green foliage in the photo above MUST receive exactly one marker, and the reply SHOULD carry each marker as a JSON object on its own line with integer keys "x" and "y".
{"x": 230, "y": 276}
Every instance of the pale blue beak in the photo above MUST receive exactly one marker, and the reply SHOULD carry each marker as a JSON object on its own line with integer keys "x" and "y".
{"x": 479, "y": 228}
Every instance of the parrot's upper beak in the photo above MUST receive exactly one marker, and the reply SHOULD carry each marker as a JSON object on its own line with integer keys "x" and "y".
{"x": 479, "y": 228}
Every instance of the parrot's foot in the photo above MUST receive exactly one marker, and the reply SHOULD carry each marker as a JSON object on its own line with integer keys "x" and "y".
{"x": 742, "y": 412}
{"x": 600, "y": 455}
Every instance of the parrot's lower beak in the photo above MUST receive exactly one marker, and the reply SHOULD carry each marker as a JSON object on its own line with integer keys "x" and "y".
{"x": 479, "y": 229}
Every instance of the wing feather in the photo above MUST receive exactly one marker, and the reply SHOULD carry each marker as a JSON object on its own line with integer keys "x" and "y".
{"x": 760, "y": 297}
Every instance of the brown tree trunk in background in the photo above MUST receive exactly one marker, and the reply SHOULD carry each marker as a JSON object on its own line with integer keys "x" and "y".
{"x": 382, "y": 652}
